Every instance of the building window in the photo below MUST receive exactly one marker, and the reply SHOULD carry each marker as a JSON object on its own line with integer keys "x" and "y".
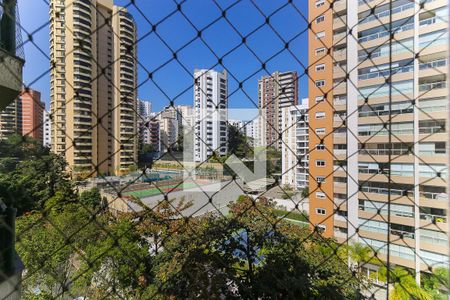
{"x": 320, "y": 163}
{"x": 320, "y": 3}
{"x": 321, "y": 211}
{"x": 320, "y": 195}
{"x": 320, "y": 179}
{"x": 320, "y": 130}
{"x": 320, "y": 51}
{"x": 320, "y": 115}
{"x": 319, "y": 99}
{"x": 320, "y": 83}
{"x": 320, "y": 67}
{"x": 320, "y": 35}
{"x": 320, "y": 19}
{"x": 320, "y": 147}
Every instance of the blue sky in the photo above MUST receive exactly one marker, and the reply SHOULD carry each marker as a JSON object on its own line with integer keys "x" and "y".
{"x": 171, "y": 80}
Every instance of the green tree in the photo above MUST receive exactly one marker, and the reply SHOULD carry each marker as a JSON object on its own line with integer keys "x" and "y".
{"x": 359, "y": 253}
{"x": 237, "y": 143}
{"x": 305, "y": 192}
{"x": 147, "y": 148}
{"x": 50, "y": 247}
{"x": 32, "y": 182}
{"x": 91, "y": 198}
{"x": 436, "y": 283}
{"x": 244, "y": 257}
{"x": 180, "y": 138}
{"x": 116, "y": 265}
{"x": 402, "y": 284}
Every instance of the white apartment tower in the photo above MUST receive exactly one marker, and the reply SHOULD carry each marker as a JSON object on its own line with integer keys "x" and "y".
{"x": 47, "y": 139}
{"x": 210, "y": 106}
{"x": 294, "y": 149}
{"x": 145, "y": 108}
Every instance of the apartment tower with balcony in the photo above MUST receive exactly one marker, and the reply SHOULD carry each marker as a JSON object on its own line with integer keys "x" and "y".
{"x": 210, "y": 114}
{"x": 378, "y": 115}
{"x": 168, "y": 127}
{"x": 93, "y": 86}
{"x": 294, "y": 150}
{"x": 32, "y": 115}
{"x": 275, "y": 92}
{"x": 10, "y": 119}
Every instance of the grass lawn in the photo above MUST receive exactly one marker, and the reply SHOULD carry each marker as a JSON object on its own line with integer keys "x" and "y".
{"x": 291, "y": 215}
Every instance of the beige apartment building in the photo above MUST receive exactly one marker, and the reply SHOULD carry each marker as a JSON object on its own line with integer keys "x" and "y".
{"x": 93, "y": 86}
{"x": 378, "y": 115}
{"x": 168, "y": 128}
{"x": 275, "y": 92}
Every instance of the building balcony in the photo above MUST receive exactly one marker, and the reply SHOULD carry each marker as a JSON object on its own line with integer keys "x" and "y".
{"x": 10, "y": 77}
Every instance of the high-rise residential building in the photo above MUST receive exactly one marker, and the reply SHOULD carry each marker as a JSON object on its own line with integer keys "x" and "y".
{"x": 210, "y": 105}
{"x": 47, "y": 138}
{"x": 185, "y": 115}
{"x": 378, "y": 115}
{"x": 256, "y": 135}
{"x": 10, "y": 120}
{"x": 93, "y": 86}
{"x": 32, "y": 114}
{"x": 239, "y": 124}
{"x": 145, "y": 108}
{"x": 275, "y": 92}
{"x": 168, "y": 127}
{"x": 294, "y": 150}
{"x": 144, "y": 111}
{"x": 24, "y": 116}
{"x": 249, "y": 128}
{"x": 154, "y": 136}
{"x": 245, "y": 128}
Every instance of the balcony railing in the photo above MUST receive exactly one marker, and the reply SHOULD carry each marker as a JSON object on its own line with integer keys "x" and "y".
{"x": 339, "y": 151}
{"x": 339, "y": 100}
{"x": 369, "y": 113}
{"x": 384, "y": 152}
{"x": 431, "y": 130}
{"x": 433, "y": 218}
{"x": 434, "y": 196}
{"x": 381, "y": 34}
{"x": 386, "y": 73}
{"x": 385, "y": 211}
{"x": 362, "y": 2}
{"x": 402, "y": 233}
{"x": 433, "y": 64}
{"x": 339, "y": 37}
{"x": 425, "y": 87}
{"x": 386, "y": 191}
{"x": 429, "y": 21}
{"x": 386, "y": 13}
{"x": 385, "y": 171}
{"x": 433, "y": 152}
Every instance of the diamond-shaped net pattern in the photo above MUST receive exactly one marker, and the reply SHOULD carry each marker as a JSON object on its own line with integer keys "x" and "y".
{"x": 97, "y": 218}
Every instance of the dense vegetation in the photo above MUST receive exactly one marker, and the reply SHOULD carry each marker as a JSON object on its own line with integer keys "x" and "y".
{"x": 72, "y": 246}
{"x": 80, "y": 249}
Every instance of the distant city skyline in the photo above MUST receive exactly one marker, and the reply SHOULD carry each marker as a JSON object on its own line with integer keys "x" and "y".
{"x": 172, "y": 78}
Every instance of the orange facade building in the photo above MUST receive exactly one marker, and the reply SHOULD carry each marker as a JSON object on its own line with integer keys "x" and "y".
{"x": 320, "y": 75}
{"x": 32, "y": 113}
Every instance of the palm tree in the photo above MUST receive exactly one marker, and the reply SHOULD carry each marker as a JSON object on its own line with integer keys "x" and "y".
{"x": 359, "y": 253}
{"x": 403, "y": 285}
